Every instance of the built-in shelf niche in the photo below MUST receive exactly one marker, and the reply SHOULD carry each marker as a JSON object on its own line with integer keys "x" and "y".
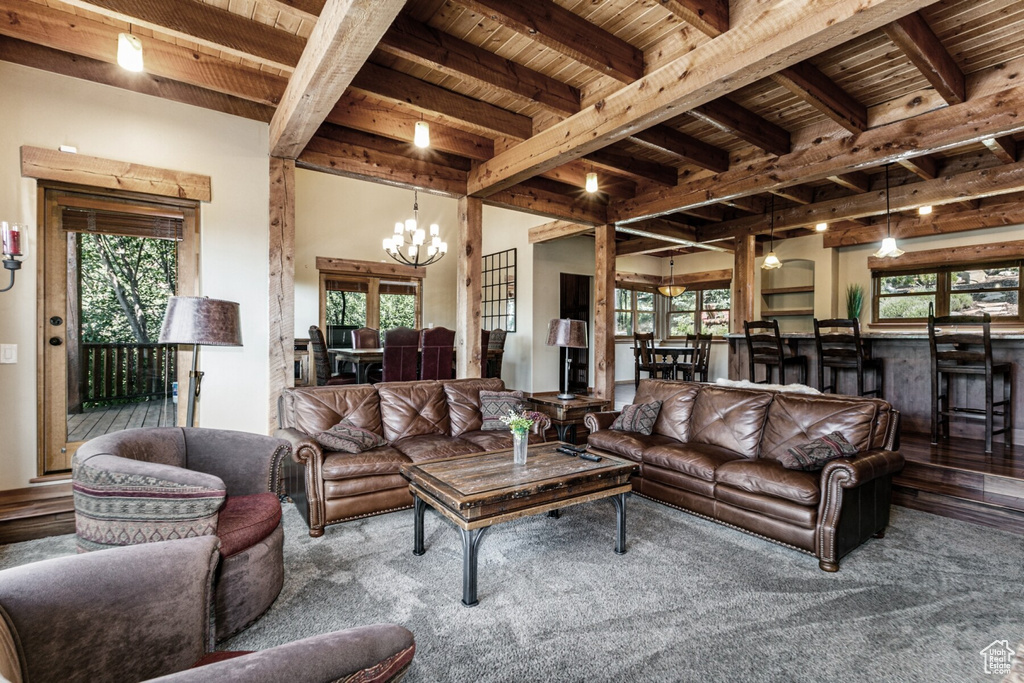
{"x": 787, "y": 295}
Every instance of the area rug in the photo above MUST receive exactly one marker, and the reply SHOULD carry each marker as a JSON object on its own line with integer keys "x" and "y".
{"x": 690, "y": 601}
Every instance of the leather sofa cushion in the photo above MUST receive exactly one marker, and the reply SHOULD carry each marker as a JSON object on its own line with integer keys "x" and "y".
{"x": 357, "y": 486}
{"x": 676, "y": 405}
{"x": 383, "y": 460}
{"x": 770, "y": 478}
{"x": 434, "y": 447}
{"x": 626, "y": 444}
{"x": 794, "y": 420}
{"x": 678, "y": 480}
{"x": 464, "y": 402}
{"x": 495, "y": 441}
{"x": 770, "y": 506}
{"x": 413, "y": 409}
{"x": 244, "y": 521}
{"x": 696, "y": 459}
{"x": 730, "y": 418}
{"x": 312, "y": 410}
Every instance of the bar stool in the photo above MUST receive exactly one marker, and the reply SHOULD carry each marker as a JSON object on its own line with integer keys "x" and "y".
{"x": 956, "y": 352}
{"x": 764, "y": 347}
{"x": 842, "y": 349}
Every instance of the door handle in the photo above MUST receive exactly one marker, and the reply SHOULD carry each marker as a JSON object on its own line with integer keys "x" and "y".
{"x": 56, "y": 341}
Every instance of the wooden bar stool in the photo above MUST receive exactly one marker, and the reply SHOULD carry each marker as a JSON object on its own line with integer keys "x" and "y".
{"x": 955, "y": 351}
{"x": 764, "y": 347}
{"x": 842, "y": 349}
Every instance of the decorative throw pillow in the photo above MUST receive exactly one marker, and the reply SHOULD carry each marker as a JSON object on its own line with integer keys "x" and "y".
{"x": 348, "y": 438}
{"x": 495, "y": 405}
{"x": 814, "y": 454}
{"x": 639, "y": 418}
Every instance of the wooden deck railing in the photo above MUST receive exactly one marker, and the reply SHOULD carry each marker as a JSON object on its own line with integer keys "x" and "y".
{"x": 126, "y": 371}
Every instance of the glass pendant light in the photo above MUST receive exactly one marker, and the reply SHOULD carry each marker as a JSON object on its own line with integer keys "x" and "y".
{"x": 888, "y": 248}
{"x": 129, "y": 51}
{"x": 671, "y": 289}
{"x": 771, "y": 261}
{"x": 421, "y": 135}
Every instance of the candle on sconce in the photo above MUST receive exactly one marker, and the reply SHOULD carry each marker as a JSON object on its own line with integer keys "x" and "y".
{"x": 11, "y": 237}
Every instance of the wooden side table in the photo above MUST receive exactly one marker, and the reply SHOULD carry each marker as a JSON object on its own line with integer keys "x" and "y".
{"x": 565, "y": 415}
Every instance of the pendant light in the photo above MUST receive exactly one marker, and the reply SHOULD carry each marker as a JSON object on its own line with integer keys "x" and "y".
{"x": 421, "y": 135}
{"x": 591, "y": 185}
{"x": 888, "y": 248}
{"x": 771, "y": 261}
{"x": 671, "y": 289}
{"x": 129, "y": 51}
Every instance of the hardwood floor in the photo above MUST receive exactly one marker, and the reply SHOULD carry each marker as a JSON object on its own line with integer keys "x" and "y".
{"x": 36, "y": 512}
{"x": 97, "y": 421}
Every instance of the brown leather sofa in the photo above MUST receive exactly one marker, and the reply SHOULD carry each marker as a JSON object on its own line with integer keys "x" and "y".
{"x": 713, "y": 452}
{"x": 421, "y": 420}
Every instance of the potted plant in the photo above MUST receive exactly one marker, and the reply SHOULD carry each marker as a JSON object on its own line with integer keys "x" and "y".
{"x": 854, "y": 301}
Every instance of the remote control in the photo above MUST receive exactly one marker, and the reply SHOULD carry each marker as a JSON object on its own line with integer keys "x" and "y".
{"x": 566, "y": 451}
{"x": 590, "y": 457}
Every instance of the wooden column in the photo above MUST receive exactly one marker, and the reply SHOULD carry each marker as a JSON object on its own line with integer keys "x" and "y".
{"x": 468, "y": 293}
{"x": 282, "y": 282}
{"x": 604, "y": 312}
{"x": 743, "y": 274}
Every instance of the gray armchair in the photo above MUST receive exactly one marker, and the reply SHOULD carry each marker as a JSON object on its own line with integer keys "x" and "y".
{"x": 138, "y": 612}
{"x": 145, "y": 485}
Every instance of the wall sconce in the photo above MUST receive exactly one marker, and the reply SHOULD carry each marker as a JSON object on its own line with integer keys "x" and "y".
{"x": 10, "y": 234}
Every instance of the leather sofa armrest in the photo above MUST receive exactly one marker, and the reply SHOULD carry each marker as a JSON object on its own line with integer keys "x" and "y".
{"x": 597, "y": 421}
{"x": 862, "y": 468}
{"x": 303, "y": 446}
{"x": 541, "y": 425}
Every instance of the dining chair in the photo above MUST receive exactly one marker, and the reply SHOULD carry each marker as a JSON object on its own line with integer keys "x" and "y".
{"x": 644, "y": 361}
{"x": 843, "y": 349}
{"x": 764, "y": 347}
{"x": 496, "y": 343}
{"x": 696, "y": 369}
{"x": 963, "y": 346}
{"x": 401, "y": 354}
{"x": 438, "y": 345}
{"x": 324, "y": 376}
{"x": 368, "y": 338}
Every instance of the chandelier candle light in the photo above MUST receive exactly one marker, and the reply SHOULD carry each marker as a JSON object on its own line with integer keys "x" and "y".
{"x": 413, "y": 255}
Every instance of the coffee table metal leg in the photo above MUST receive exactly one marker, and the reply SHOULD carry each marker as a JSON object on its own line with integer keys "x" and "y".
{"x": 470, "y": 549}
{"x": 419, "y": 507}
{"x": 619, "y": 502}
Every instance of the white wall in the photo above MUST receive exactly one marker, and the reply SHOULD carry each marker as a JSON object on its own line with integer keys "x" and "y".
{"x": 46, "y": 110}
{"x": 344, "y": 218}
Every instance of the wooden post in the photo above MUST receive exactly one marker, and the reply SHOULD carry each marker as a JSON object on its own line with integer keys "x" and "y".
{"x": 282, "y": 282}
{"x": 744, "y": 272}
{"x": 604, "y": 312}
{"x": 468, "y": 293}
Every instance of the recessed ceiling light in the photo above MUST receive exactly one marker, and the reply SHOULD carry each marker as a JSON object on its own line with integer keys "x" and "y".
{"x": 924, "y": 210}
{"x": 821, "y": 227}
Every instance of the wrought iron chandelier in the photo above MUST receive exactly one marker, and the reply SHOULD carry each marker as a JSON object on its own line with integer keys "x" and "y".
{"x": 413, "y": 254}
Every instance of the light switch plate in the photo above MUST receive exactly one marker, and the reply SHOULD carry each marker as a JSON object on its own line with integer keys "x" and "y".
{"x": 8, "y": 353}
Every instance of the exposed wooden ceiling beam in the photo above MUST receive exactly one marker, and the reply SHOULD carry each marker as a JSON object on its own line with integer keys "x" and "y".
{"x": 543, "y": 203}
{"x": 987, "y": 182}
{"x": 710, "y": 17}
{"x": 64, "y": 31}
{"x": 988, "y": 215}
{"x": 1004, "y": 148}
{"x": 353, "y": 161}
{"x": 818, "y": 90}
{"x": 557, "y": 230}
{"x": 687, "y": 148}
{"x": 660, "y": 232}
{"x": 567, "y": 33}
{"x": 922, "y": 47}
{"x": 801, "y": 194}
{"x": 744, "y": 124}
{"x": 452, "y": 56}
{"x": 779, "y": 37}
{"x": 206, "y": 25}
{"x": 642, "y": 245}
{"x": 748, "y": 204}
{"x": 450, "y": 106}
{"x": 712, "y": 212}
{"x": 344, "y": 36}
{"x": 924, "y": 166}
{"x": 857, "y": 181}
{"x": 575, "y": 174}
{"x": 308, "y": 10}
{"x": 357, "y": 138}
{"x": 954, "y": 126}
{"x": 57, "y": 61}
{"x": 372, "y": 115}
{"x": 637, "y": 169}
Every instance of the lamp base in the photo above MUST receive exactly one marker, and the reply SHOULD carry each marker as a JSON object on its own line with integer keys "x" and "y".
{"x": 565, "y": 397}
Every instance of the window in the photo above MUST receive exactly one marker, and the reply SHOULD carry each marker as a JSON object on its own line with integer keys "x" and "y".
{"x": 908, "y": 296}
{"x": 634, "y": 312}
{"x": 499, "y": 291}
{"x": 349, "y": 301}
{"x": 699, "y": 311}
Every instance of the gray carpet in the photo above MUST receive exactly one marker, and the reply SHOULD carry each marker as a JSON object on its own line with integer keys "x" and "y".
{"x": 691, "y": 601}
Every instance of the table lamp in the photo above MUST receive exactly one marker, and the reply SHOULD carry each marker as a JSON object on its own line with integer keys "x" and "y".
{"x": 570, "y": 334}
{"x": 200, "y": 321}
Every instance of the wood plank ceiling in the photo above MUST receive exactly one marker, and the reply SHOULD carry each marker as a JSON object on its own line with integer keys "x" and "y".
{"x": 697, "y": 115}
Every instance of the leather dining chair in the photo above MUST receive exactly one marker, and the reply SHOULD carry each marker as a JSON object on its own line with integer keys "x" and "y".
{"x": 436, "y": 358}
{"x": 368, "y": 338}
{"x": 401, "y": 354}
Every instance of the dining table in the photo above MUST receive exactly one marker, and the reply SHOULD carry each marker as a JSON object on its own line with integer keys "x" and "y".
{"x": 672, "y": 354}
{"x": 363, "y": 359}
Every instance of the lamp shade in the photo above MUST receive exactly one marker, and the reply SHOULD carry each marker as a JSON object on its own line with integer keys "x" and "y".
{"x": 568, "y": 333}
{"x": 201, "y": 320}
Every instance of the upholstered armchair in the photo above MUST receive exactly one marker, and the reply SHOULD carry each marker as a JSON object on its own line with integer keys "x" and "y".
{"x": 135, "y": 613}
{"x": 145, "y": 485}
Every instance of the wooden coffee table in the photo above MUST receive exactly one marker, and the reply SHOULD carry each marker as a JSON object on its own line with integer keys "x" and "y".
{"x": 478, "y": 491}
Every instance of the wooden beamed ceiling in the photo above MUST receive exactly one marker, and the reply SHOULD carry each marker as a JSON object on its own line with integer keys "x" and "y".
{"x": 695, "y": 111}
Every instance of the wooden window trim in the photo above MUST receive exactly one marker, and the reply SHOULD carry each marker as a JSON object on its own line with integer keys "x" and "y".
{"x": 371, "y": 273}
{"x": 699, "y": 303}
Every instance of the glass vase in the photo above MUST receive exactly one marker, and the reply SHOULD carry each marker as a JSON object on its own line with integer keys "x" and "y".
{"x": 519, "y": 443}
